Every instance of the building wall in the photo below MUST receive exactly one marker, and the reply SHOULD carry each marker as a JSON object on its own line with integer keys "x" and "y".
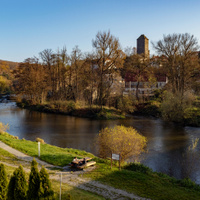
{"x": 143, "y": 45}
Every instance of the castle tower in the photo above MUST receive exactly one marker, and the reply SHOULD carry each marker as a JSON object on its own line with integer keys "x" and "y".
{"x": 143, "y": 45}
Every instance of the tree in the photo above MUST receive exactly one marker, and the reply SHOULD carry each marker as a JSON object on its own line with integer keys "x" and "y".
{"x": 179, "y": 57}
{"x": 109, "y": 59}
{"x": 34, "y": 182}
{"x": 3, "y": 182}
{"x": 17, "y": 187}
{"x": 76, "y": 64}
{"x": 31, "y": 81}
{"x": 20, "y": 188}
{"x": 11, "y": 187}
{"x": 126, "y": 142}
{"x": 139, "y": 67}
{"x": 46, "y": 189}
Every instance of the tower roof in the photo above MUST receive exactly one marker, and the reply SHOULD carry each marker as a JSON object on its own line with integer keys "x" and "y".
{"x": 142, "y": 37}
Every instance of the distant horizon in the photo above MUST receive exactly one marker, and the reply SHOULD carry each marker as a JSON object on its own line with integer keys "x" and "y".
{"x": 29, "y": 27}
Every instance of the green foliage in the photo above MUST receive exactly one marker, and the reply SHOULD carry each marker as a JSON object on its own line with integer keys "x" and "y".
{"x": 34, "y": 182}
{"x": 174, "y": 105}
{"x": 20, "y": 187}
{"x": 126, "y": 104}
{"x": 186, "y": 182}
{"x": 3, "y": 182}
{"x": 138, "y": 168}
{"x": 192, "y": 116}
{"x": 11, "y": 188}
{"x": 46, "y": 191}
{"x": 17, "y": 187}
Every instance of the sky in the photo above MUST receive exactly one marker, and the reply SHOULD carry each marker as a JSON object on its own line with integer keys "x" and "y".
{"x": 27, "y": 27}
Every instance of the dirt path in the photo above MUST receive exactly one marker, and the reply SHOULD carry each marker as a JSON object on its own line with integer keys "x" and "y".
{"x": 72, "y": 178}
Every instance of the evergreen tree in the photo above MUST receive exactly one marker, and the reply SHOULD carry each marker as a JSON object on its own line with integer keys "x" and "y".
{"x": 46, "y": 189}
{"x": 3, "y": 182}
{"x": 34, "y": 182}
{"x": 20, "y": 184}
{"x": 11, "y": 187}
{"x": 17, "y": 187}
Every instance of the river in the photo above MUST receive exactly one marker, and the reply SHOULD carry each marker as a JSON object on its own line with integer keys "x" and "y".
{"x": 167, "y": 142}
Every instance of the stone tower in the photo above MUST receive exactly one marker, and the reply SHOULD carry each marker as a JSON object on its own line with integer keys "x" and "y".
{"x": 143, "y": 45}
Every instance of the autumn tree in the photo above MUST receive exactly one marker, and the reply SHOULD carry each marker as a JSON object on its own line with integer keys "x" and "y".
{"x": 109, "y": 59}
{"x": 179, "y": 57}
{"x": 126, "y": 142}
{"x": 31, "y": 81}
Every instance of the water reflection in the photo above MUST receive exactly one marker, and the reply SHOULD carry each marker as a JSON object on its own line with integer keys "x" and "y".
{"x": 167, "y": 143}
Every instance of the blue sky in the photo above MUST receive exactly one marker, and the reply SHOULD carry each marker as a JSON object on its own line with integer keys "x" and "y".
{"x": 29, "y": 26}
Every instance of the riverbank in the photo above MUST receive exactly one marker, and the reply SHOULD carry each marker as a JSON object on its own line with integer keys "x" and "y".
{"x": 134, "y": 178}
{"x": 74, "y": 109}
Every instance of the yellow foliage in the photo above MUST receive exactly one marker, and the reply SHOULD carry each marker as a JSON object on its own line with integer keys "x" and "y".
{"x": 3, "y": 127}
{"x": 121, "y": 140}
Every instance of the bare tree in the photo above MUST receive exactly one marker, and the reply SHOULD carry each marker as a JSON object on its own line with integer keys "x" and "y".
{"x": 109, "y": 58}
{"x": 179, "y": 57}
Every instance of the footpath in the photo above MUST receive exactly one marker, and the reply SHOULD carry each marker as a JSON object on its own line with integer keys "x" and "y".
{"x": 74, "y": 178}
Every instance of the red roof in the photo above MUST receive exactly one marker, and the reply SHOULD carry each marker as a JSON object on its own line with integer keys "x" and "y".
{"x": 144, "y": 77}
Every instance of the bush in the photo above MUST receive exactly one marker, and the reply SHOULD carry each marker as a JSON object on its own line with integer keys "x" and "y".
{"x": 34, "y": 182}
{"x": 3, "y": 182}
{"x": 46, "y": 191}
{"x": 174, "y": 106}
{"x": 139, "y": 168}
{"x": 3, "y": 127}
{"x": 40, "y": 140}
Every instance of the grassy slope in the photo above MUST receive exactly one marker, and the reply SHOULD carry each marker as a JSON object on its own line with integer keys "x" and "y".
{"x": 75, "y": 193}
{"x": 150, "y": 185}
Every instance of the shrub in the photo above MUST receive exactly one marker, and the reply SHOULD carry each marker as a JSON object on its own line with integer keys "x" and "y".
{"x": 3, "y": 127}
{"x": 139, "y": 168}
{"x": 40, "y": 140}
{"x": 3, "y": 182}
{"x": 46, "y": 191}
{"x": 34, "y": 182}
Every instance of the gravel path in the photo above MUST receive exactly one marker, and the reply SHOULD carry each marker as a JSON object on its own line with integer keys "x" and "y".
{"x": 74, "y": 178}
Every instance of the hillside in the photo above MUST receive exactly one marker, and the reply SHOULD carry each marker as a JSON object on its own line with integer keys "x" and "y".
{"x": 8, "y": 64}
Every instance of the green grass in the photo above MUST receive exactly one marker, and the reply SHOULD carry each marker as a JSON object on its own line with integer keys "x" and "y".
{"x": 148, "y": 184}
{"x": 51, "y": 154}
{"x": 136, "y": 179}
{"x": 75, "y": 193}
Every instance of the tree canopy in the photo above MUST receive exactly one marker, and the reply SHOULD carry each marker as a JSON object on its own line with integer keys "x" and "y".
{"x": 125, "y": 141}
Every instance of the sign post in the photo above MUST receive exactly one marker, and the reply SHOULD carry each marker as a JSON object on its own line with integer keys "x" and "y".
{"x": 116, "y": 157}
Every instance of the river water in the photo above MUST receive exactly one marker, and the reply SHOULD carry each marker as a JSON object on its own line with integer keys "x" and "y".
{"x": 167, "y": 142}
